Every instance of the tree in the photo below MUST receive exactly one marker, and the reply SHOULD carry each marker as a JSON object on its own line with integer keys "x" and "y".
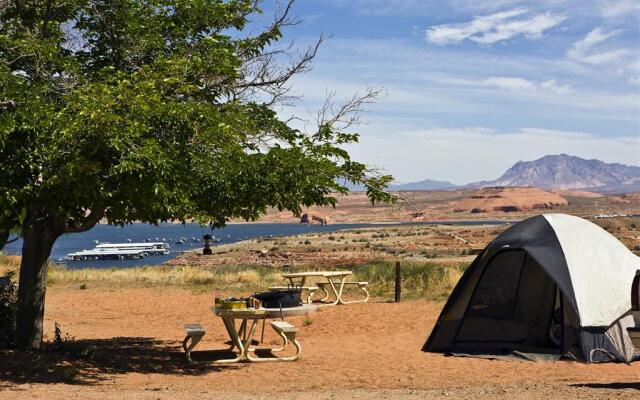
{"x": 152, "y": 110}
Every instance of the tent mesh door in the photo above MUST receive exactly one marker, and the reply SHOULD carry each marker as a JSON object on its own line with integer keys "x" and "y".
{"x": 511, "y": 307}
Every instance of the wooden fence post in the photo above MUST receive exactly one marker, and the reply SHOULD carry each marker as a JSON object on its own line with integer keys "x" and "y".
{"x": 398, "y": 282}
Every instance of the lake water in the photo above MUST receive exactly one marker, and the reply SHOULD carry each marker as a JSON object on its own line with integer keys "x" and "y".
{"x": 172, "y": 232}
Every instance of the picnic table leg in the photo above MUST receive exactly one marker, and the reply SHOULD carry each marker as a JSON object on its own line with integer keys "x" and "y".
{"x": 366, "y": 297}
{"x": 230, "y": 329}
{"x": 235, "y": 339}
{"x": 326, "y": 293}
{"x": 295, "y": 343}
{"x": 285, "y": 338}
{"x": 342, "y": 281}
{"x": 243, "y": 330}
{"x": 246, "y": 354}
{"x": 195, "y": 339}
{"x": 310, "y": 296}
{"x": 285, "y": 342}
{"x": 337, "y": 293}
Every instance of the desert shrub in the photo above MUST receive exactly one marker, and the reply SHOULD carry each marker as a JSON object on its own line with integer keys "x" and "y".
{"x": 331, "y": 237}
{"x": 419, "y": 279}
{"x": 8, "y": 305}
{"x": 68, "y": 344}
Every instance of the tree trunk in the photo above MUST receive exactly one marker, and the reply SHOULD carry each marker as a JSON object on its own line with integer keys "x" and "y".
{"x": 38, "y": 236}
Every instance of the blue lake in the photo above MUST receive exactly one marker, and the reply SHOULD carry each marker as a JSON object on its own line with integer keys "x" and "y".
{"x": 173, "y": 232}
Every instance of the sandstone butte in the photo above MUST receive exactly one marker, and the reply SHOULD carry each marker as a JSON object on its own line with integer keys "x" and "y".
{"x": 509, "y": 199}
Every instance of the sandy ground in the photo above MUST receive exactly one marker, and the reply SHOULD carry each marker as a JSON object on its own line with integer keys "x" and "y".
{"x": 359, "y": 351}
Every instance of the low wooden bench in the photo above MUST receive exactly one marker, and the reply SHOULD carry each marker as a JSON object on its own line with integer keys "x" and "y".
{"x": 195, "y": 332}
{"x": 288, "y": 334}
{"x": 310, "y": 289}
{"x": 361, "y": 285}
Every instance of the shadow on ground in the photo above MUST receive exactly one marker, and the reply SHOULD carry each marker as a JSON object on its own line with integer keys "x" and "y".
{"x": 611, "y": 385}
{"x": 92, "y": 361}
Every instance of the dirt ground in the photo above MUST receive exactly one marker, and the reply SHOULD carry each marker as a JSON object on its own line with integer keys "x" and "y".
{"x": 126, "y": 345}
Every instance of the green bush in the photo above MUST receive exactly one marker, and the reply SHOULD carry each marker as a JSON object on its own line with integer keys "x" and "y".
{"x": 8, "y": 305}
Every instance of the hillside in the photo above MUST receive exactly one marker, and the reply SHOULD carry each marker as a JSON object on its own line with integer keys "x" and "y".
{"x": 569, "y": 172}
{"x": 427, "y": 184}
{"x": 509, "y": 199}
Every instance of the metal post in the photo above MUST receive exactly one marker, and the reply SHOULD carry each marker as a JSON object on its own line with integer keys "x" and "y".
{"x": 398, "y": 282}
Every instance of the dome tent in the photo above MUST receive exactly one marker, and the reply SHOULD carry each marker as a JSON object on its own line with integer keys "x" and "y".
{"x": 554, "y": 285}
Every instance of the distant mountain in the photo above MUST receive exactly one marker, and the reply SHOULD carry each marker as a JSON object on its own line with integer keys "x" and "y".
{"x": 427, "y": 184}
{"x": 569, "y": 172}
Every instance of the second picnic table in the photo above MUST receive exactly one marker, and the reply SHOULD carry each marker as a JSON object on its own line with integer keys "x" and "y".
{"x": 334, "y": 278}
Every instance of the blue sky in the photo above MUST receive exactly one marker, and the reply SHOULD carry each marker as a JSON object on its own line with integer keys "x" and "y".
{"x": 472, "y": 86}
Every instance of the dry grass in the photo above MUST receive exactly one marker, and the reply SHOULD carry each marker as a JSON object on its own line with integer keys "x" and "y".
{"x": 419, "y": 279}
{"x": 428, "y": 280}
{"x": 9, "y": 263}
{"x": 231, "y": 278}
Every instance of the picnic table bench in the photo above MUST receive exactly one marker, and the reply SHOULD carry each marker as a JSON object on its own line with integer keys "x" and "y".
{"x": 361, "y": 285}
{"x": 195, "y": 332}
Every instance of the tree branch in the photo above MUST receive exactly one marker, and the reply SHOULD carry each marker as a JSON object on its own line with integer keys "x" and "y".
{"x": 18, "y": 8}
{"x": 89, "y": 221}
{"x": 45, "y": 22}
{"x": 12, "y": 240}
{"x": 348, "y": 113}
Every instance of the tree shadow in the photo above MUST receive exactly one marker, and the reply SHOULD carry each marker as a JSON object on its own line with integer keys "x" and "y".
{"x": 90, "y": 361}
{"x": 611, "y": 385}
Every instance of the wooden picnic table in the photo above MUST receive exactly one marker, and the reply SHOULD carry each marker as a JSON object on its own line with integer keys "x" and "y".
{"x": 333, "y": 278}
{"x": 241, "y": 338}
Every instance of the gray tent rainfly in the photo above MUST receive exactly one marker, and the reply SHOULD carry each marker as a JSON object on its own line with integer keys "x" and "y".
{"x": 550, "y": 286}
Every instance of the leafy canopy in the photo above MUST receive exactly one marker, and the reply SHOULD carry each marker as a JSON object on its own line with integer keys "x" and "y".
{"x": 156, "y": 110}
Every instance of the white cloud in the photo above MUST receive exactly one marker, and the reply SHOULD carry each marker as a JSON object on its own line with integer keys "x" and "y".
{"x": 583, "y": 51}
{"x": 507, "y": 83}
{"x": 445, "y": 9}
{"x": 618, "y": 8}
{"x": 553, "y": 86}
{"x": 495, "y": 28}
{"x": 524, "y": 85}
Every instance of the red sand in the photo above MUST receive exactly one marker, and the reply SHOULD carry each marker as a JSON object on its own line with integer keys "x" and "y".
{"x": 356, "y": 351}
